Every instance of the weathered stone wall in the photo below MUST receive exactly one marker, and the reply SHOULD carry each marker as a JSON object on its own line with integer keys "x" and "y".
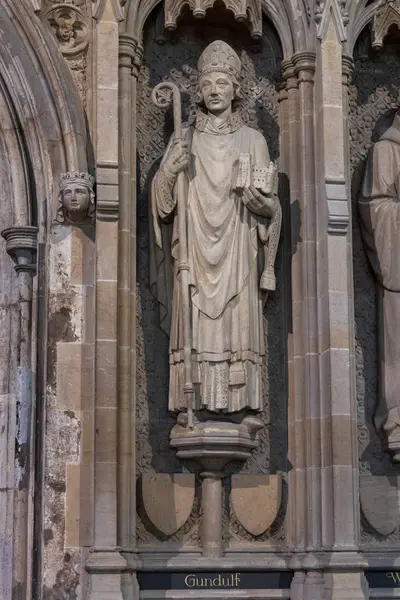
{"x": 68, "y": 440}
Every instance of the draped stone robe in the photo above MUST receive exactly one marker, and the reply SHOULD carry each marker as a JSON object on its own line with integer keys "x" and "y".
{"x": 379, "y": 209}
{"x": 224, "y": 265}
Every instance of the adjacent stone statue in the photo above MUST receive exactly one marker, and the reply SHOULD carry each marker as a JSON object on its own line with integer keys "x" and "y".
{"x": 76, "y": 198}
{"x": 233, "y": 222}
{"x": 379, "y": 208}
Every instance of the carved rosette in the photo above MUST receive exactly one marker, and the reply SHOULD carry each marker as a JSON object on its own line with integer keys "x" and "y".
{"x": 387, "y": 14}
{"x": 247, "y": 11}
{"x": 70, "y": 26}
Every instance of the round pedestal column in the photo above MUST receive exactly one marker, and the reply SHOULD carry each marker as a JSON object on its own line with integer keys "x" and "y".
{"x": 211, "y": 501}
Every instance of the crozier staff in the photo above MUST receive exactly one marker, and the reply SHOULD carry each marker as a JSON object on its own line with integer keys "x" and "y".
{"x": 229, "y": 218}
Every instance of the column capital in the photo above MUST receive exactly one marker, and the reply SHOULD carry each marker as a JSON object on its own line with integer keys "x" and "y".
{"x": 130, "y": 53}
{"x": 289, "y": 75}
{"x": 21, "y": 245}
{"x": 304, "y": 61}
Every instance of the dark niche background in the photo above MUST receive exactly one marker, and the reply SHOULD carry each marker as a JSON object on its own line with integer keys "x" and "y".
{"x": 174, "y": 57}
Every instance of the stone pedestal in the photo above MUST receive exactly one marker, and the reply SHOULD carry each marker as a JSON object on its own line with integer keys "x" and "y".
{"x": 214, "y": 444}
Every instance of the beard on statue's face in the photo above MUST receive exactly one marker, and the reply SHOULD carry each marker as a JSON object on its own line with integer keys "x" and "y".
{"x": 217, "y": 91}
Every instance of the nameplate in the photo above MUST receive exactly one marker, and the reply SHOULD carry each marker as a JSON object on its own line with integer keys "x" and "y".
{"x": 227, "y": 580}
{"x": 383, "y": 579}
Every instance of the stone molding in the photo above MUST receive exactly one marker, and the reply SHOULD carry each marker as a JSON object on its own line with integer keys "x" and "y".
{"x": 116, "y": 5}
{"x": 130, "y": 53}
{"x": 105, "y": 560}
{"x": 289, "y": 75}
{"x": 324, "y": 9}
{"x": 107, "y": 202}
{"x": 347, "y": 69}
{"x": 386, "y": 15}
{"x": 21, "y": 245}
{"x": 338, "y": 208}
{"x": 304, "y": 66}
{"x": 245, "y": 11}
{"x": 298, "y": 69}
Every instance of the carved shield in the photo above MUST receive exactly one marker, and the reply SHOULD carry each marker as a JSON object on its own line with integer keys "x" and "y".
{"x": 380, "y": 501}
{"x": 256, "y": 500}
{"x": 168, "y": 499}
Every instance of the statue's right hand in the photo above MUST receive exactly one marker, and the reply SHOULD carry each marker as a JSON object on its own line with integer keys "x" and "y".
{"x": 178, "y": 158}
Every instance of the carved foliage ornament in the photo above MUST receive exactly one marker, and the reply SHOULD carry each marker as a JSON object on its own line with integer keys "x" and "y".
{"x": 323, "y": 11}
{"x": 387, "y": 14}
{"x": 246, "y": 11}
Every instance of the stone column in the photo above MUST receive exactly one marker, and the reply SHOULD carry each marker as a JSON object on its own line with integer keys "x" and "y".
{"x": 105, "y": 564}
{"x": 343, "y": 576}
{"x": 291, "y": 148}
{"x": 211, "y": 502}
{"x": 129, "y": 62}
{"x": 137, "y": 61}
{"x": 291, "y": 157}
{"x": 21, "y": 246}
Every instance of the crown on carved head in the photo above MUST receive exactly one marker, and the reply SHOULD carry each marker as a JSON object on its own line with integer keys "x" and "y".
{"x": 220, "y": 57}
{"x": 75, "y": 177}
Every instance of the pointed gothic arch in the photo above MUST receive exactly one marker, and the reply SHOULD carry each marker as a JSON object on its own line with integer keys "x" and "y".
{"x": 291, "y": 28}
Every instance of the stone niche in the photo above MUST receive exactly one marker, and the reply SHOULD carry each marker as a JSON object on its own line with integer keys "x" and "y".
{"x": 173, "y": 57}
{"x": 374, "y": 97}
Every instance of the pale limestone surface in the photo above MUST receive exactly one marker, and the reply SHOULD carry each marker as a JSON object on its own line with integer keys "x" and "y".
{"x": 229, "y": 218}
{"x": 68, "y": 334}
{"x": 378, "y": 207}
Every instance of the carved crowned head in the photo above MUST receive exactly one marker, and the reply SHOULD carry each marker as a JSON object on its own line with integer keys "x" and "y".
{"x": 219, "y": 69}
{"x": 76, "y": 198}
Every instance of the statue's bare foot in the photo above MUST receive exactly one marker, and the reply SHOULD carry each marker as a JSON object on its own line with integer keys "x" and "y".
{"x": 253, "y": 424}
{"x": 183, "y": 419}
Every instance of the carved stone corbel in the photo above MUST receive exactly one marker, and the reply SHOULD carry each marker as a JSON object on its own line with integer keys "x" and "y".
{"x": 386, "y": 15}
{"x": 21, "y": 246}
{"x": 76, "y": 199}
{"x": 246, "y": 11}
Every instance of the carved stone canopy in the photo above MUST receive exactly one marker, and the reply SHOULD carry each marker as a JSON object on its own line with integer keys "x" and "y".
{"x": 246, "y": 11}
{"x": 387, "y": 14}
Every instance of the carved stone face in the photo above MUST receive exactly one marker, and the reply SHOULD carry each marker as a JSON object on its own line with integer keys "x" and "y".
{"x": 75, "y": 198}
{"x": 66, "y": 31}
{"x": 218, "y": 91}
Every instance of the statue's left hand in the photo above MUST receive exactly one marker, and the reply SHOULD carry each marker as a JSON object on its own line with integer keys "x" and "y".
{"x": 260, "y": 202}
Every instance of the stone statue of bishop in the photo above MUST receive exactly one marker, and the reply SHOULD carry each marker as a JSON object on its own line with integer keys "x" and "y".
{"x": 232, "y": 226}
